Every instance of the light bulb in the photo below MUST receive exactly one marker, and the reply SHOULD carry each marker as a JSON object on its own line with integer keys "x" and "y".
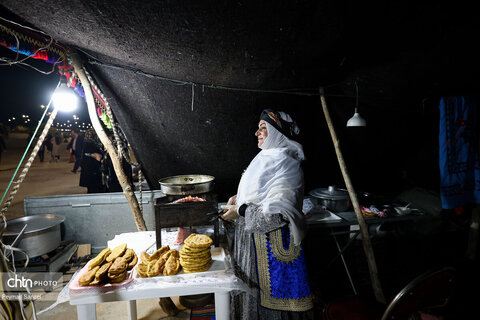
{"x": 64, "y": 99}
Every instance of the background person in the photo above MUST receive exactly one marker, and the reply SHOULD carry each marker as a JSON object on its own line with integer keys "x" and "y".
{"x": 91, "y": 174}
{"x": 109, "y": 176}
{"x": 56, "y": 142}
{"x": 76, "y": 147}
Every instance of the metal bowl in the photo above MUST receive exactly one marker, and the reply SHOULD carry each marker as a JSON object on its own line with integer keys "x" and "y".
{"x": 41, "y": 235}
{"x": 189, "y": 184}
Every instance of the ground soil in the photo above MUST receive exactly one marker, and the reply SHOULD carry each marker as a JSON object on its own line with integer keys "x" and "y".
{"x": 42, "y": 179}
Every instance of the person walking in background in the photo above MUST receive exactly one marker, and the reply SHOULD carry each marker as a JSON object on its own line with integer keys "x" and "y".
{"x": 41, "y": 151}
{"x": 56, "y": 142}
{"x": 91, "y": 174}
{"x": 48, "y": 142}
{"x": 76, "y": 147}
{"x": 110, "y": 179}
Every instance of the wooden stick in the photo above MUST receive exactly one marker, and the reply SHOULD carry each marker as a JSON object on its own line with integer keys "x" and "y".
{"x": 367, "y": 245}
{"x": 122, "y": 178}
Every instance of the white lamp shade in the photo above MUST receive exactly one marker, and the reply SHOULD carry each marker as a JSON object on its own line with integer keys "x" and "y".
{"x": 64, "y": 99}
{"x": 356, "y": 121}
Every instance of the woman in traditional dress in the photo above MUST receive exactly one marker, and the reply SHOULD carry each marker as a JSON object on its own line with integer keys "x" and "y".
{"x": 270, "y": 226}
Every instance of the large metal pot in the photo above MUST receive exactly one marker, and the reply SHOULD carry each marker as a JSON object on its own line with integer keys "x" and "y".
{"x": 336, "y": 200}
{"x": 187, "y": 184}
{"x": 40, "y": 236}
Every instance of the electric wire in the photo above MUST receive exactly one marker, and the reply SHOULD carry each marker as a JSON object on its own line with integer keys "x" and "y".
{"x": 291, "y": 91}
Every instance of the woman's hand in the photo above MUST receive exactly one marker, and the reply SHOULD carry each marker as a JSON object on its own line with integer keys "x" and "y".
{"x": 232, "y": 200}
{"x": 231, "y": 212}
{"x": 97, "y": 156}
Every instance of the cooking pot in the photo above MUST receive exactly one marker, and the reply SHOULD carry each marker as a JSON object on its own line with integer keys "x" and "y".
{"x": 187, "y": 184}
{"x": 332, "y": 198}
{"x": 40, "y": 236}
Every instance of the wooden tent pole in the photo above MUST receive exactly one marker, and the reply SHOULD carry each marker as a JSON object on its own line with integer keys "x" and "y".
{"x": 367, "y": 245}
{"x": 122, "y": 178}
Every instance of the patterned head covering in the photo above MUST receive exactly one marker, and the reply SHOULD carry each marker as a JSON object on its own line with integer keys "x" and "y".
{"x": 91, "y": 136}
{"x": 281, "y": 121}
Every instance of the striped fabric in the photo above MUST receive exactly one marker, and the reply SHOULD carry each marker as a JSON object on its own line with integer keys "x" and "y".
{"x": 203, "y": 313}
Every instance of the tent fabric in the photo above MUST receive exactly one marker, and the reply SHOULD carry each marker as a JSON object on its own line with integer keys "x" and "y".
{"x": 459, "y": 161}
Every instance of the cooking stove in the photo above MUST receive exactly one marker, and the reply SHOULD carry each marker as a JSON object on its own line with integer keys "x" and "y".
{"x": 52, "y": 261}
{"x": 186, "y": 214}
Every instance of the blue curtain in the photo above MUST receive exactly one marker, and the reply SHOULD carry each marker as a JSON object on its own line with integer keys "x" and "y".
{"x": 458, "y": 152}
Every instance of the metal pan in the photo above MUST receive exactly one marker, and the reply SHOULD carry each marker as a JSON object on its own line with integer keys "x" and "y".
{"x": 189, "y": 184}
{"x": 41, "y": 235}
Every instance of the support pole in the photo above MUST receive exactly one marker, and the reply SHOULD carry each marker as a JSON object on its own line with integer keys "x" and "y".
{"x": 122, "y": 178}
{"x": 367, "y": 245}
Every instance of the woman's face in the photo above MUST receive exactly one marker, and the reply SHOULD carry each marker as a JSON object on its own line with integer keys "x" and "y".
{"x": 262, "y": 132}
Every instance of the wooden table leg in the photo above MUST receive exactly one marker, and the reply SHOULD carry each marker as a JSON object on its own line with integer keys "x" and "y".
{"x": 222, "y": 305}
{"x": 86, "y": 312}
{"x": 132, "y": 309}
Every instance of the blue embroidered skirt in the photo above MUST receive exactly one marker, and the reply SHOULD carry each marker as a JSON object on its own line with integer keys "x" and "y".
{"x": 282, "y": 272}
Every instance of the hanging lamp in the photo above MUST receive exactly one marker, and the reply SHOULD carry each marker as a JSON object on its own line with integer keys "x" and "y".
{"x": 64, "y": 99}
{"x": 356, "y": 120}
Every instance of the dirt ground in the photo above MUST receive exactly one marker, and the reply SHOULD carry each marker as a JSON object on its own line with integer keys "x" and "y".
{"x": 43, "y": 178}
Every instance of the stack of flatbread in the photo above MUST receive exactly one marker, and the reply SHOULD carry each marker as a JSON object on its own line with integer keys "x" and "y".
{"x": 195, "y": 254}
{"x": 109, "y": 266}
{"x": 163, "y": 261}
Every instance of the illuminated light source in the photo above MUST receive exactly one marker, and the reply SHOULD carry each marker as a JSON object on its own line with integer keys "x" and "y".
{"x": 64, "y": 99}
{"x": 356, "y": 120}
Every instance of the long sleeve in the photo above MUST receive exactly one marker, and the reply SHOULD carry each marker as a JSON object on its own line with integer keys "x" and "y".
{"x": 258, "y": 222}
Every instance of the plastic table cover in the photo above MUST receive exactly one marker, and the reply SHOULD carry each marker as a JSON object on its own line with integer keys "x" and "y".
{"x": 145, "y": 241}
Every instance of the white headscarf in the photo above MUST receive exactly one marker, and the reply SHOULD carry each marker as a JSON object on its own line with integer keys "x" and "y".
{"x": 274, "y": 180}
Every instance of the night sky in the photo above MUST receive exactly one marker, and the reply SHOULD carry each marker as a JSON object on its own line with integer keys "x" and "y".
{"x": 23, "y": 90}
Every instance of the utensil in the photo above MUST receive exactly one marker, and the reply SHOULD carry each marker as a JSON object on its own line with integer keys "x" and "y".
{"x": 332, "y": 198}
{"x": 190, "y": 184}
{"x": 218, "y": 215}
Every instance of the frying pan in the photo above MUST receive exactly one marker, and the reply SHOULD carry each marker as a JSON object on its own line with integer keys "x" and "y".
{"x": 189, "y": 184}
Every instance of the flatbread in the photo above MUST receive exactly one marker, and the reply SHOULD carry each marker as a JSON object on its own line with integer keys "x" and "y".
{"x": 142, "y": 269}
{"x": 101, "y": 274}
{"x": 158, "y": 253}
{"x": 118, "y": 251}
{"x": 99, "y": 259}
{"x": 133, "y": 262}
{"x": 118, "y": 266}
{"x": 172, "y": 266}
{"x": 200, "y": 269}
{"x": 196, "y": 240}
{"x": 88, "y": 277}
{"x": 119, "y": 277}
{"x": 128, "y": 255}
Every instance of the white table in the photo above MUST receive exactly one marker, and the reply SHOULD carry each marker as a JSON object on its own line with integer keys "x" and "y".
{"x": 86, "y": 303}
{"x": 218, "y": 280}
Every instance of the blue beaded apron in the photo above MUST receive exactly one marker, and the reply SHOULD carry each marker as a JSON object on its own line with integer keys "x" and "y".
{"x": 282, "y": 272}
